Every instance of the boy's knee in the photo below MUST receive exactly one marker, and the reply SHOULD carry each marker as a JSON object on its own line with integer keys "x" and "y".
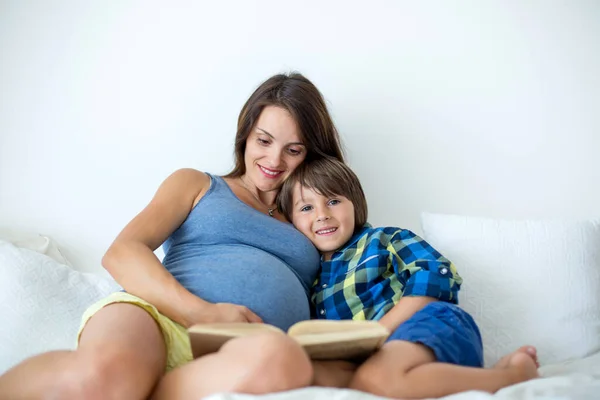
{"x": 373, "y": 378}
{"x": 386, "y": 373}
{"x": 275, "y": 362}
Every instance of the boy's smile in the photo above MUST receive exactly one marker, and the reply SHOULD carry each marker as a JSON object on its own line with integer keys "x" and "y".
{"x": 328, "y": 221}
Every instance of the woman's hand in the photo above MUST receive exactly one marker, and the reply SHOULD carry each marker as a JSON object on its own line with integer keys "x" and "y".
{"x": 220, "y": 312}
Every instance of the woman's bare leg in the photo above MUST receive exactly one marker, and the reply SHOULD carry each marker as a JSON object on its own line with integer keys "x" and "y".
{"x": 121, "y": 355}
{"x": 264, "y": 363}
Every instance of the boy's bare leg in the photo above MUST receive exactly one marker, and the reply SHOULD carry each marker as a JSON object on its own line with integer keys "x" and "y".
{"x": 407, "y": 370}
{"x": 264, "y": 363}
{"x": 337, "y": 374}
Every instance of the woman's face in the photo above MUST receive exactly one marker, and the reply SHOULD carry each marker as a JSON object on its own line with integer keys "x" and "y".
{"x": 274, "y": 149}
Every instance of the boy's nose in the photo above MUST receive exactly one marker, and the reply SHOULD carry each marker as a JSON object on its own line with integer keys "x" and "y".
{"x": 323, "y": 218}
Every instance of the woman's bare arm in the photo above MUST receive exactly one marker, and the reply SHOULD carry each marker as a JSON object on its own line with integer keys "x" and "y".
{"x": 132, "y": 262}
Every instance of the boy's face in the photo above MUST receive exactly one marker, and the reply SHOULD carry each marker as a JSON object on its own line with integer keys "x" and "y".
{"x": 327, "y": 222}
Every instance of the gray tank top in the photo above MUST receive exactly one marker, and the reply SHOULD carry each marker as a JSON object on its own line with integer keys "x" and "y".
{"x": 226, "y": 251}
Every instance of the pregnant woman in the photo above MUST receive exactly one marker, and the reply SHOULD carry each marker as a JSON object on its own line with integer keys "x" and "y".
{"x": 229, "y": 257}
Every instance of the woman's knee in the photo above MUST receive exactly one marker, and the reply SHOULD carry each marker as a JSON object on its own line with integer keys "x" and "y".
{"x": 105, "y": 373}
{"x": 275, "y": 362}
{"x": 121, "y": 354}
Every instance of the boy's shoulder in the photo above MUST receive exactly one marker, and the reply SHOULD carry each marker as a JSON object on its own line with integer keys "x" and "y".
{"x": 371, "y": 239}
{"x": 370, "y": 236}
{"x": 386, "y": 231}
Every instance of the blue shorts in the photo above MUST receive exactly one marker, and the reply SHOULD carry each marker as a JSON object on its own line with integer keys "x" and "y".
{"x": 449, "y": 331}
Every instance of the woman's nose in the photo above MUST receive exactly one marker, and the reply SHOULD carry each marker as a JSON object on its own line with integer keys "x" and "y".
{"x": 275, "y": 158}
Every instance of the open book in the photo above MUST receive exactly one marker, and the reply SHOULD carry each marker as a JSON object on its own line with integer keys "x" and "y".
{"x": 321, "y": 339}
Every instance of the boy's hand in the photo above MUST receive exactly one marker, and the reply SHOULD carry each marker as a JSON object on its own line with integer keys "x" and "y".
{"x": 405, "y": 309}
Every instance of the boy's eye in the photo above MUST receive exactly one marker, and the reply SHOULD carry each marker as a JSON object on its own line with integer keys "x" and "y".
{"x": 333, "y": 202}
{"x": 306, "y": 208}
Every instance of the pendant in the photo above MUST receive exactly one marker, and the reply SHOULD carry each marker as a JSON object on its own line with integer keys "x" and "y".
{"x": 271, "y": 210}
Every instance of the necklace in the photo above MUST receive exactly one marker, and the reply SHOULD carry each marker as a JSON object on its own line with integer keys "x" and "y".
{"x": 269, "y": 210}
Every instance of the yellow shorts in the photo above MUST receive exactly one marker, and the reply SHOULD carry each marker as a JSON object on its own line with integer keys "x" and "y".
{"x": 177, "y": 341}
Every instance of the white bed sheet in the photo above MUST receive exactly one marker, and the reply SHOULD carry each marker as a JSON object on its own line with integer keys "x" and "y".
{"x": 36, "y": 304}
{"x": 574, "y": 380}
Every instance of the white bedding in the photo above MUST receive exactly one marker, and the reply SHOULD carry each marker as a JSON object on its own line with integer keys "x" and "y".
{"x": 42, "y": 301}
{"x": 575, "y": 380}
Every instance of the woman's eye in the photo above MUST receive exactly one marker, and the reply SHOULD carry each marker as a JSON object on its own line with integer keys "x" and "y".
{"x": 333, "y": 202}
{"x": 262, "y": 142}
{"x": 306, "y": 208}
{"x": 295, "y": 152}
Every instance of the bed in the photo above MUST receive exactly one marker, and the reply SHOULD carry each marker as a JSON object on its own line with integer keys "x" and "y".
{"x": 526, "y": 282}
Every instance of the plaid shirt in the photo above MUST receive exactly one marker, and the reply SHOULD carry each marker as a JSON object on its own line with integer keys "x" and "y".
{"x": 378, "y": 266}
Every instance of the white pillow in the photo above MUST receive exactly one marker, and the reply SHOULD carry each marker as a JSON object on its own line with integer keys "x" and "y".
{"x": 36, "y": 242}
{"x": 526, "y": 282}
{"x": 41, "y": 303}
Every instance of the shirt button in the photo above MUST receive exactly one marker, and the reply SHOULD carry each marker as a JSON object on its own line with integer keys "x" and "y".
{"x": 324, "y": 285}
{"x": 444, "y": 271}
{"x": 323, "y": 312}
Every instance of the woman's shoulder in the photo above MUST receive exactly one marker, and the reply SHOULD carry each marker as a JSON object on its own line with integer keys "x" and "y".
{"x": 188, "y": 182}
{"x": 189, "y": 173}
{"x": 189, "y": 176}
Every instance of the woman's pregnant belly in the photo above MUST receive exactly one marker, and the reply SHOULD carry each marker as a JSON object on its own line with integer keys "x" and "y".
{"x": 242, "y": 275}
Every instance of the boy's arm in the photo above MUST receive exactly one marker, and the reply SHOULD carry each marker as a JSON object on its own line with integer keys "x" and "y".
{"x": 405, "y": 309}
{"x": 425, "y": 274}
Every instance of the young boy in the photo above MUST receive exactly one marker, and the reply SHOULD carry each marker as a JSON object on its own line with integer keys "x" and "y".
{"x": 391, "y": 275}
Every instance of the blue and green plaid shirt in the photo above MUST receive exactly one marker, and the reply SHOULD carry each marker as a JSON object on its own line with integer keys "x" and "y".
{"x": 378, "y": 266}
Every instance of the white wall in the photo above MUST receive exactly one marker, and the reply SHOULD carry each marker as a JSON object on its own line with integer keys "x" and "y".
{"x": 472, "y": 107}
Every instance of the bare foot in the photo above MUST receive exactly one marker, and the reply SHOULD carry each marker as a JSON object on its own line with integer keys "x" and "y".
{"x": 529, "y": 350}
{"x": 522, "y": 362}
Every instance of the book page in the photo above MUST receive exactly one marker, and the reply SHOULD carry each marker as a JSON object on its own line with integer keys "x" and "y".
{"x": 208, "y": 338}
{"x": 341, "y": 345}
{"x": 330, "y": 326}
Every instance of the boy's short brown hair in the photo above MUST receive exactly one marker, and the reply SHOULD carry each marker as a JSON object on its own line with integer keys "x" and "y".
{"x": 328, "y": 177}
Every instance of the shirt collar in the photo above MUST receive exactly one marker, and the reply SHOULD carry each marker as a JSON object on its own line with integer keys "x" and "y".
{"x": 351, "y": 242}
